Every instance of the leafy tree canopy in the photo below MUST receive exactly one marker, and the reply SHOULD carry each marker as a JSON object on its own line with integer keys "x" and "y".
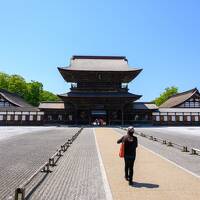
{"x": 48, "y": 95}
{"x": 32, "y": 91}
{"x": 168, "y": 92}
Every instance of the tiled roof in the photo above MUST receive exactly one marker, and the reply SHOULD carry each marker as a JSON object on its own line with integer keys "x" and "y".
{"x": 178, "y": 110}
{"x": 100, "y": 94}
{"x": 177, "y": 99}
{"x": 18, "y": 109}
{"x": 144, "y": 106}
{"x": 16, "y": 100}
{"x": 99, "y": 63}
{"x": 52, "y": 105}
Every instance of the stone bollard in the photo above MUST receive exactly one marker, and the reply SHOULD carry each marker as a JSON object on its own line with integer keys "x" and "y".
{"x": 59, "y": 153}
{"x": 151, "y": 137}
{"x": 194, "y": 152}
{"x": 63, "y": 148}
{"x": 20, "y": 194}
{"x": 185, "y": 149}
{"x": 46, "y": 168}
{"x": 169, "y": 144}
{"x": 51, "y": 162}
{"x": 67, "y": 145}
{"x": 155, "y": 139}
{"x": 164, "y": 142}
{"x": 69, "y": 141}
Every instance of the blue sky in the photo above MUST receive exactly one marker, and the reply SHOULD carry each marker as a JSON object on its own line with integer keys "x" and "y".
{"x": 162, "y": 37}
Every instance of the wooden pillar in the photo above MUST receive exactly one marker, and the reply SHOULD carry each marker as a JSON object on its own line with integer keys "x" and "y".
{"x": 21, "y": 118}
{"x": 6, "y": 118}
{"x": 76, "y": 115}
{"x": 89, "y": 115}
{"x": 122, "y": 111}
{"x": 109, "y": 115}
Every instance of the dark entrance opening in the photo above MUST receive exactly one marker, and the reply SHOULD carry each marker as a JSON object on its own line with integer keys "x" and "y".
{"x": 99, "y": 117}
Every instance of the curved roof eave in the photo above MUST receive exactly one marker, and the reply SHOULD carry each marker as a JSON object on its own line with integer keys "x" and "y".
{"x": 14, "y": 99}
{"x": 86, "y": 95}
{"x": 73, "y": 75}
{"x": 99, "y": 70}
{"x": 9, "y": 100}
{"x": 195, "y": 90}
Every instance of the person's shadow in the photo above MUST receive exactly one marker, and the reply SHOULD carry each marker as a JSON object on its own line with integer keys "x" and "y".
{"x": 144, "y": 185}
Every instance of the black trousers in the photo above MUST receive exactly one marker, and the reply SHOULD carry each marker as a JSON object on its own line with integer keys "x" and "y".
{"x": 129, "y": 164}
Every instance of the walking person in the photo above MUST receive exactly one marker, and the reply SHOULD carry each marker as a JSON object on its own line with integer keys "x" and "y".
{"x": 130, "y": 145}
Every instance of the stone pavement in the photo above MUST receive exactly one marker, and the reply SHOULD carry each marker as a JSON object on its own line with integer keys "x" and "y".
{"x": 22, "y": 155}
{"x": 187, "y": 136}
{"x": 77, "y": 175}
{"x": 154, "y": 179}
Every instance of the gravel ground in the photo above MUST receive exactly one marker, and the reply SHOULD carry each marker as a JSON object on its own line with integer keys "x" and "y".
{"x": 183, "y": 159}
{"x": 21, "y": 155}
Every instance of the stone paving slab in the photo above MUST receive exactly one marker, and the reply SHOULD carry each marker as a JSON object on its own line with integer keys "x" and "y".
{"x": 11, "y": 131}
{"x": 77, "y": 175}
{"x": 154, "y": 177}
{"x": 22, "y": 155}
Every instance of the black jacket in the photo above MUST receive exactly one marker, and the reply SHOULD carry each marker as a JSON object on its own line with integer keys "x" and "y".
{"x": 130, "y": 145}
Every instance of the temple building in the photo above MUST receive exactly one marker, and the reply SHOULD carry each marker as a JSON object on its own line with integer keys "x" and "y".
{"x": 99, "y": 89}
{"x": 14, "y": 110}
{"x": 180, "y": 109}
{"x": 54, "y": 112}
{"x": 99, "y": 93}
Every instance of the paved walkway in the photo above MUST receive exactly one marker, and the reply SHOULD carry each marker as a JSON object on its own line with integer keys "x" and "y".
{"x": 22, "y": 155}
{"x": 77, "y": 175}
{"x": 154, "y": 177}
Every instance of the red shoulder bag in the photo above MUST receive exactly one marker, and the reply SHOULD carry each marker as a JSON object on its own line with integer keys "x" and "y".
{"x": 121, "y": 150}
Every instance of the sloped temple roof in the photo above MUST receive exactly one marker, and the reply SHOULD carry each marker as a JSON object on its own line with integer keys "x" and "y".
{"x": 18, "y": 102}
{"x": 180, "y": 98}
{"x": 100, "y": 63}
{"x": 59, "y": 105}
{"x": 102, "y": 94}
{"x": 144, "y": 106}
{"x": 80, "y": 65}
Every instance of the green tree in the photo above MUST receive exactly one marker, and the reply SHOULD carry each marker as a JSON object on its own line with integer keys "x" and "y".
{"x": 17, "y": 84}
{"x": 4, "y": 80}
{"x": 169, "y": 91}
{"x": 48, "y": 96}
{"x": 34, "y": 91}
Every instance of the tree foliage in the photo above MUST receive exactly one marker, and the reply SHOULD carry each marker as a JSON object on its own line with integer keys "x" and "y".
{"x": 48, "y": 95}
{"x": 17, "y": 84}
{"x": 32, "y": 91}
{"x": 4, "y": 80}
{"x": 168, "y": 92}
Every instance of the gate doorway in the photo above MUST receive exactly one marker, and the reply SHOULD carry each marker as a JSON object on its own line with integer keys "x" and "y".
{"x": 99, "y": 117}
